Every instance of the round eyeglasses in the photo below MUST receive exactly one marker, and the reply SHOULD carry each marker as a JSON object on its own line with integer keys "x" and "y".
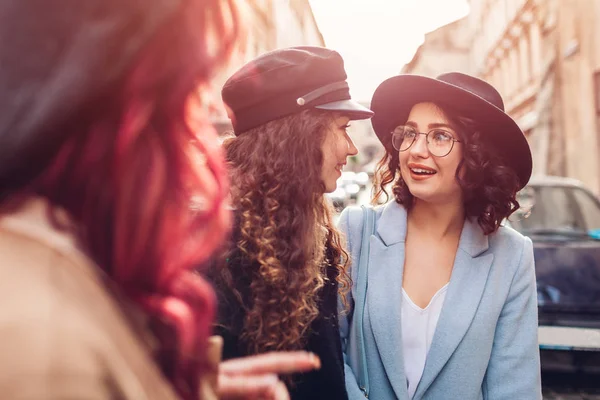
{"x": 439, "y": 141}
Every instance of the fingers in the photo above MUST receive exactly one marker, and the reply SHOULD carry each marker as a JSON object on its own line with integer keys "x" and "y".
{"x": 272, "y": 363}
{"x": 279, "y": 392}
{"x": 255, "y": 377}
{"x": 250, "y": 387}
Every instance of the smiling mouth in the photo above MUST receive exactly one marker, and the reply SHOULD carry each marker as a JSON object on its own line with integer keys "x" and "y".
{"x": 422, "y": 171}
{"x": 339, "y": 167}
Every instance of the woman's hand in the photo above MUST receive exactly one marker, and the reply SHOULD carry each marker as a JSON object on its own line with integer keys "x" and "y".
{"x": 256, "y": 377}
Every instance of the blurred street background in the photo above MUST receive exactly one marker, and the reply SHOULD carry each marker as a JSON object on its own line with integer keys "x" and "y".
{"x": 543, "y": 57}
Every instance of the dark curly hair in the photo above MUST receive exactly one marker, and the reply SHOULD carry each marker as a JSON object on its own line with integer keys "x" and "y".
{"x": 489, "y": 184}
{"x": 285, "y": 230}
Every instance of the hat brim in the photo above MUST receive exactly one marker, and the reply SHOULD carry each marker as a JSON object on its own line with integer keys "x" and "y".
{"x": 394, "y": 98}
{"x": 353, "y": 109}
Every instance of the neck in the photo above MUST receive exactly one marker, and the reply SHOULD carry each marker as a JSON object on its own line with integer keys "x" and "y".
{"x": 439, "y": 220}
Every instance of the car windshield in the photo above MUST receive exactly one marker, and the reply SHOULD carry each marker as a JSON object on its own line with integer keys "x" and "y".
{"x": 565, "y": 210}
{"x": 567, "y": 256}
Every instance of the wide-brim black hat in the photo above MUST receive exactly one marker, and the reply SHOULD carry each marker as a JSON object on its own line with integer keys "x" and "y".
{"x": 472, "y": 97}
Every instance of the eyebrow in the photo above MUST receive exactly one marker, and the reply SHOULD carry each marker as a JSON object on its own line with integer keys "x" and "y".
{"x": 433, "y": 125}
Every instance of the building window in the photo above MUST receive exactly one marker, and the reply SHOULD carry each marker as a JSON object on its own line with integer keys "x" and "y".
{"x": 506, "y": 79}
{"x": 524, "y": 59}
{"x": 535, "y": 44}
{"x": 513, "y": 58}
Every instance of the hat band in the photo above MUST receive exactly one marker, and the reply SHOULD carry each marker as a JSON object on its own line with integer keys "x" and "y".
{"x": 281, "y": 106}
{"x": 323, "y": 90}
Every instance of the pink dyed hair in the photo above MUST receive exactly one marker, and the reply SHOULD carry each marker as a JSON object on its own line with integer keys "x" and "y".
{"x": 148, "y": 192}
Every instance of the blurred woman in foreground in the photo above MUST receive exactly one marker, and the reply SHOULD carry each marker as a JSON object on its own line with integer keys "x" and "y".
{"x": 108, "y": 197}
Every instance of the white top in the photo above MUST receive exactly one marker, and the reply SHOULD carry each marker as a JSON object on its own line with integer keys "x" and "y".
{"x": 418, "y": 327}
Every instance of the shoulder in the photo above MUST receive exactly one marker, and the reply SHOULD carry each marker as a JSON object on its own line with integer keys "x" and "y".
{"x": 507, "y": 238}
{"x": 43, "y": 269}
{"x": 351, "y": 218}
{"x": 390, "y": 218}
{"x": 513, "y": 252}
{"x": 61, "y": 313}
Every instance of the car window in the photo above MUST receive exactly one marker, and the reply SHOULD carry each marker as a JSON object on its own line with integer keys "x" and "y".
{"x": 552, "y": 208}
{"x": 589, "y": 208}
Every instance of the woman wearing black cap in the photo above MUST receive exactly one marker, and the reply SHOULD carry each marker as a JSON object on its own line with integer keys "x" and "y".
{"x": 105, "y": 208}
{"x": 444, "y": 295}
{"x": 278, "y": 282}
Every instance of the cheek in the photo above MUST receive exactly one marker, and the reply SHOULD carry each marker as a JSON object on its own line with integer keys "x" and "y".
{"x": 402, "y": 158}
{"x": 328, "y": 154}
{"x": 339, "y": 142}
{"x": 402, "y": 163}
{"x": 451, "y": 167}
{"x": 336, "y": 150}
{"x": 326, "y": 150}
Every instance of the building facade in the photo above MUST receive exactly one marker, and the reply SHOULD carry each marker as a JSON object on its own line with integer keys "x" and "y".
{"x": 443, "y": 50}
{"x": 541, "y": 55}
{"x": 511, "y": 51}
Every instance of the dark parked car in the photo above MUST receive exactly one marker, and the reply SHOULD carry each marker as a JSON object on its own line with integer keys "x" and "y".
{"x": 562, "y": 217}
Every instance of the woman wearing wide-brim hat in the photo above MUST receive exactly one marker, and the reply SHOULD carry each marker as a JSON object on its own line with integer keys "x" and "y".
{"x": 444, "y": 295}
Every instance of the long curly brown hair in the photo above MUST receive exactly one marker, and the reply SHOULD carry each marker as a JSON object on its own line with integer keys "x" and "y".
{"x": 285, "y": 230}
{"x": 489, "y": 185}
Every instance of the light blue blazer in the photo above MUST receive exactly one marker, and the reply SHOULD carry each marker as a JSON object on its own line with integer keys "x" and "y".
{"x": 485, "y": 345}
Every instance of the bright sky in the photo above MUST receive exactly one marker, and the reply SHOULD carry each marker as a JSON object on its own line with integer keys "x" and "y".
{"x": 377, "y": 37}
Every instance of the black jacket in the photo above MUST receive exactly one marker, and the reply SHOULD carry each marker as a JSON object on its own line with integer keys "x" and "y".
{"x": 324, "y": 340}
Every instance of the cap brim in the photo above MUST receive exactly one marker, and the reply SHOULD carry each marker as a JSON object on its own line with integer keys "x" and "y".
{"x": 350, "y": 107}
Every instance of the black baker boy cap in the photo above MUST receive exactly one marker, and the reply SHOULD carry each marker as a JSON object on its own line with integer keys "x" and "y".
{"x": 287, "y": 81}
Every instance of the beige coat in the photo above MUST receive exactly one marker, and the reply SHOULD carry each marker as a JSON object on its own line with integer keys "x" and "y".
{"x": 63, "y": 335}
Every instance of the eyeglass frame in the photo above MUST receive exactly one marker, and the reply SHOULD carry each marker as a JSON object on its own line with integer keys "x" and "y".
{"x": 426, "y": 138}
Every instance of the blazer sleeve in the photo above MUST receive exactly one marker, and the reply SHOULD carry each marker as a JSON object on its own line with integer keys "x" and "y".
{"x": 514, "y": 368}
{"x": 345, "y": 313}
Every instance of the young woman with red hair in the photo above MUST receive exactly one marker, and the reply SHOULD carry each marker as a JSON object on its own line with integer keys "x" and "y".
{"x": 108, "y": 198}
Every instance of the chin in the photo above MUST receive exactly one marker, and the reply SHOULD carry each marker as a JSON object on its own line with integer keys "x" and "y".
{"x": 434, "y": 196}
{"x": 423, "y": 194}
{"x": 425, "y": 197}
{"x": 330, "y": 189}
{"x": 329, "y": 185}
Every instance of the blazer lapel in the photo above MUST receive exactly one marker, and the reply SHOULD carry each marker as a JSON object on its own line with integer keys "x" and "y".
{"x": 386, "y": 266}
{"x": 467, "y": 282}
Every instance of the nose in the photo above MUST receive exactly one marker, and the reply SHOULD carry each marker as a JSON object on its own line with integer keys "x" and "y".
{"x": 419, "y": 147}
{"x": 352, "y": 150}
